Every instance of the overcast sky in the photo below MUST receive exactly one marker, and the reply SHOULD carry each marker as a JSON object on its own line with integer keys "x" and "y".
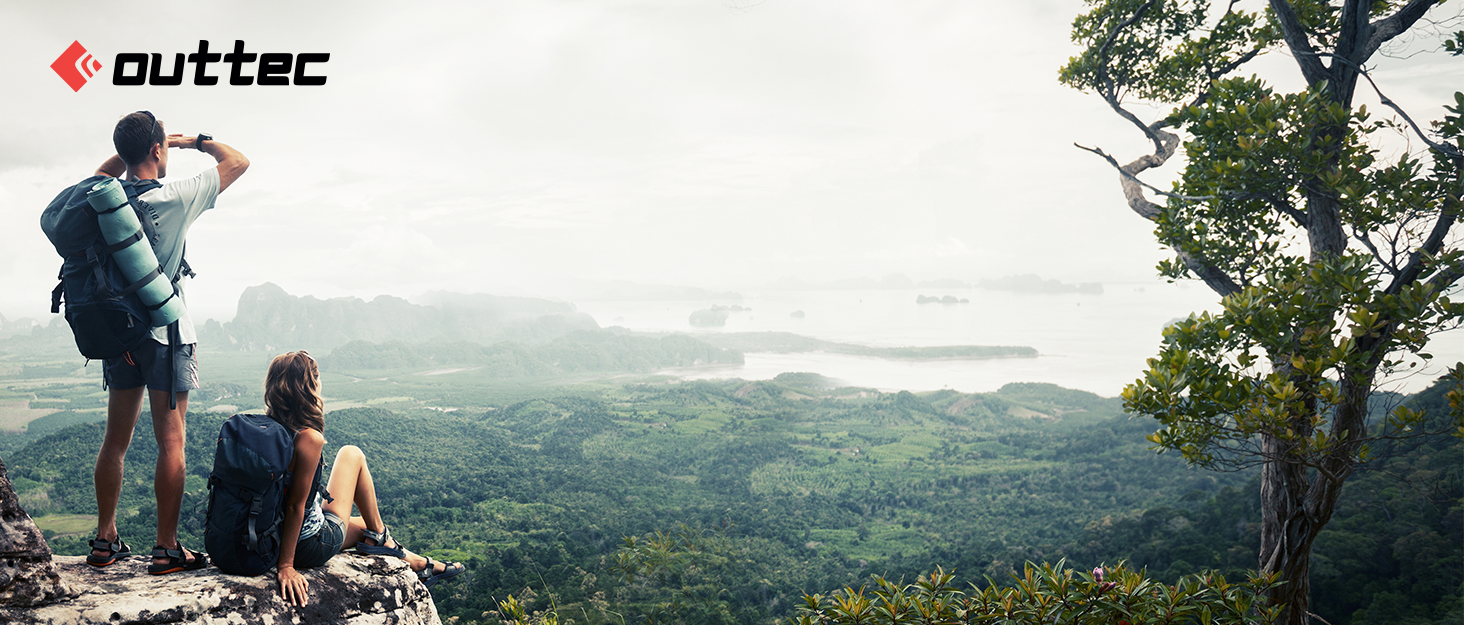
{"x": 512, "y": 145}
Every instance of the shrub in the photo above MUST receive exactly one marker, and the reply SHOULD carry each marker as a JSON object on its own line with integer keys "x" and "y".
{"x": 1049, "y": 595}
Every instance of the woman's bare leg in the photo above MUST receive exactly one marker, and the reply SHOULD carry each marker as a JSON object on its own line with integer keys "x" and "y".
{"x": 350, "y": 483}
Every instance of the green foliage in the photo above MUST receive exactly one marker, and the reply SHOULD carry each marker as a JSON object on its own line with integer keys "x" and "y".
{"x": 783, "y": 487}
{"x": 1455, "y": 46}
{"x": 1255, "y": 157}
{"x": 511, "y": 611}
{"x": 1214, "y": 396}
{"x": 680, "y": 573}
{"x": 1168, "y": 51}
{"x": 1045, "y": 594}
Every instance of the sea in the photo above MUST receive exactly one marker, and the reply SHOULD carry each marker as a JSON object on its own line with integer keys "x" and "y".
{"x": 1093, "y": 342}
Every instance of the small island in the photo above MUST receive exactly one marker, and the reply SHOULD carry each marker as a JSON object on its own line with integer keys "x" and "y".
{"x": 709, "y": 317}
{"x": 948, "y": 299}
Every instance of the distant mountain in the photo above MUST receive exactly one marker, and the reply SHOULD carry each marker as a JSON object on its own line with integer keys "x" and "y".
{"x": 23, "y": 325}
{"x": 1032, "y": 283}
{"x": 270, "y": 319}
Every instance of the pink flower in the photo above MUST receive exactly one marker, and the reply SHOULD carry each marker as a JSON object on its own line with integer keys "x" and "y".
{"x": 1098, "y": 573}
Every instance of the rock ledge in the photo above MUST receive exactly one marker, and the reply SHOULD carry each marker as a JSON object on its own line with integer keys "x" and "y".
{"x": 351, "y": 589}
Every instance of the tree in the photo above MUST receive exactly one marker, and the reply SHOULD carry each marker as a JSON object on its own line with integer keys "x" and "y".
{"x": 1333, "y": 258}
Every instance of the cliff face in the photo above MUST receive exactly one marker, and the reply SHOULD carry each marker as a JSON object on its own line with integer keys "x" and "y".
{"x": 27, "y": 577}
{"x": 36, "y": 588}
{"x": 350, "y": 589}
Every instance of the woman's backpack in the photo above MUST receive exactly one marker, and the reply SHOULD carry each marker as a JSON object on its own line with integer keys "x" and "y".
{"x": 247, "y": 493}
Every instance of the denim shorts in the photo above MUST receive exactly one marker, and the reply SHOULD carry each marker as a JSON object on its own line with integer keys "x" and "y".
{"x": 316, "y": 550}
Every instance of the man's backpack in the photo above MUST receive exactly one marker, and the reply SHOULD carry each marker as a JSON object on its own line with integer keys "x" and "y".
{"x": 246, "y": 503}
{"x": 106, "y": 315}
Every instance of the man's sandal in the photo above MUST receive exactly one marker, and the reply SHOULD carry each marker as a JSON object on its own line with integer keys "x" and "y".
{"x": 449, "y": 571}
{"x": 382, "y": 539}
{"x": 177, "y": 560}
{"x": 116, "y": 550}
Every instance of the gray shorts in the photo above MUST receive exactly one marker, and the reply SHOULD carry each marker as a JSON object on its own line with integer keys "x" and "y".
{"x": 147, "y": 365}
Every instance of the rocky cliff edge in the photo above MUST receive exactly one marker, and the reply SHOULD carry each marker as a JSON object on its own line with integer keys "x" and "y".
{"x": 353, "y": 589}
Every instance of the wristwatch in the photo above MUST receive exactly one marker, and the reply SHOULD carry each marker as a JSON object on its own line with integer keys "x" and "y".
{"x": 198, "y": 143}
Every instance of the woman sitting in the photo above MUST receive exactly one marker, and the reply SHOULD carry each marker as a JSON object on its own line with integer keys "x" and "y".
{"x": 313, "y": 532}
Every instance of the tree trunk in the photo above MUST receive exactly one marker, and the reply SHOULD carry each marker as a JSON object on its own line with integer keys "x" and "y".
{"x": 1287, "y": 532}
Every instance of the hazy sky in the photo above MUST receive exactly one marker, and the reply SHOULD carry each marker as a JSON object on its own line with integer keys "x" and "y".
{"x": 508, "y": 146}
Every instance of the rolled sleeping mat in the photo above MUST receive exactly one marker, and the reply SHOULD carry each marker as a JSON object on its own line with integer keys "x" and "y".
{"x": 133, "y": 252}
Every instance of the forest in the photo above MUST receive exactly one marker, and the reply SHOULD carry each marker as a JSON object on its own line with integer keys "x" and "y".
{"x": 752, "y": 494}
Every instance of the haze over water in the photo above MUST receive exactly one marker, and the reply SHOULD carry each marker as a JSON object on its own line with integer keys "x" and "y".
{"x": 1096, "y": 343}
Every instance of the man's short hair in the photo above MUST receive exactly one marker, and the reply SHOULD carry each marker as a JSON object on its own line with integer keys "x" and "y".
{"x": 135, "y": 135}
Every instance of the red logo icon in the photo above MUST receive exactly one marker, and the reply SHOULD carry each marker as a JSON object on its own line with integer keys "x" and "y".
{"x": 73, "y": 63}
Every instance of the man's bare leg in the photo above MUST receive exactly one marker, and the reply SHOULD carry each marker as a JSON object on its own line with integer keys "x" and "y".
{"x": 124, "y": 405}
{"x": 169, "y": 427}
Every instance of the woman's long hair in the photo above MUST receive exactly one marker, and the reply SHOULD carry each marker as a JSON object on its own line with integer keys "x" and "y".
{"x": 292, "y": 392}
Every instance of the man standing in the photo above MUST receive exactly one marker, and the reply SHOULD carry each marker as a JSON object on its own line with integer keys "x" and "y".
{"x": 159, "y": 365}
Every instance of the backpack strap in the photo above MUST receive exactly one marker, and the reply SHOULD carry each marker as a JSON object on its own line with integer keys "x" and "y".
{"x": 60, "y": 290}
{"x": 320, "y": 483}
{"x": 254, "y": 509}
{"x": 175, "y": 339}
{"x": 134, "y": 196}
{"x": 94, "y": 258}
{"x": 184, "y": 269}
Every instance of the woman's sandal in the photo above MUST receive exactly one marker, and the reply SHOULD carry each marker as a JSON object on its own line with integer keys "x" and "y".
{"x": 449, "y": 571}
{"x": 381, "y": 539}
{"x": 116, "y": 550}
{"x": 177, "y": 560}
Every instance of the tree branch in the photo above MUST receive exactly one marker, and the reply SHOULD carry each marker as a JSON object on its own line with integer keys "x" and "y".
{"x": 1354, "y": 27}
{"x": 1296, "y": 39}
{"x": 1446, "y": 149}
{"x": 1110, "y": 90}
{"x": 1150, "y": 211}
{"x": 1387, "y": 263}
{"x": 1384, "y": 30}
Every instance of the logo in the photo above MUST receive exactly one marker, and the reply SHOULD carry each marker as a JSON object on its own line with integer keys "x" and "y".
{"x": 243, "y": 68}
{"x": 73, "y": 63}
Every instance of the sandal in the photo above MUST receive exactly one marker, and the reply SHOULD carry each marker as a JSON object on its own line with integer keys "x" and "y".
{"x": 177, "y": 560}
{"x": 449, "y": 571}
{"x": 380, "y": 549}
{"x": 116, "y": 550}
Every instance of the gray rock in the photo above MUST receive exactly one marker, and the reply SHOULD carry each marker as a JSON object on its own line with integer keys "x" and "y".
{"x": 351, "y": 589}
{"x": 27, "y": 577}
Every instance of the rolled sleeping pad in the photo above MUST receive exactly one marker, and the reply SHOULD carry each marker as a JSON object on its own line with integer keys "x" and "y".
{"x": 136, "y": 257}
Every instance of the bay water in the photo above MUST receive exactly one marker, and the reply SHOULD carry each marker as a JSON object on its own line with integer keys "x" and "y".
{"x": 1092, "y": 342}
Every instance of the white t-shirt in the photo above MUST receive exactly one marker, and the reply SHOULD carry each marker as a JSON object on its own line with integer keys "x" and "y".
{"x": 172, "y": 208}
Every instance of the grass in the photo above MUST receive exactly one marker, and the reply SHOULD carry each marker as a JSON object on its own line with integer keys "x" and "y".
{"x": 63, "y": 524}
{"x": 14, "y": 415}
